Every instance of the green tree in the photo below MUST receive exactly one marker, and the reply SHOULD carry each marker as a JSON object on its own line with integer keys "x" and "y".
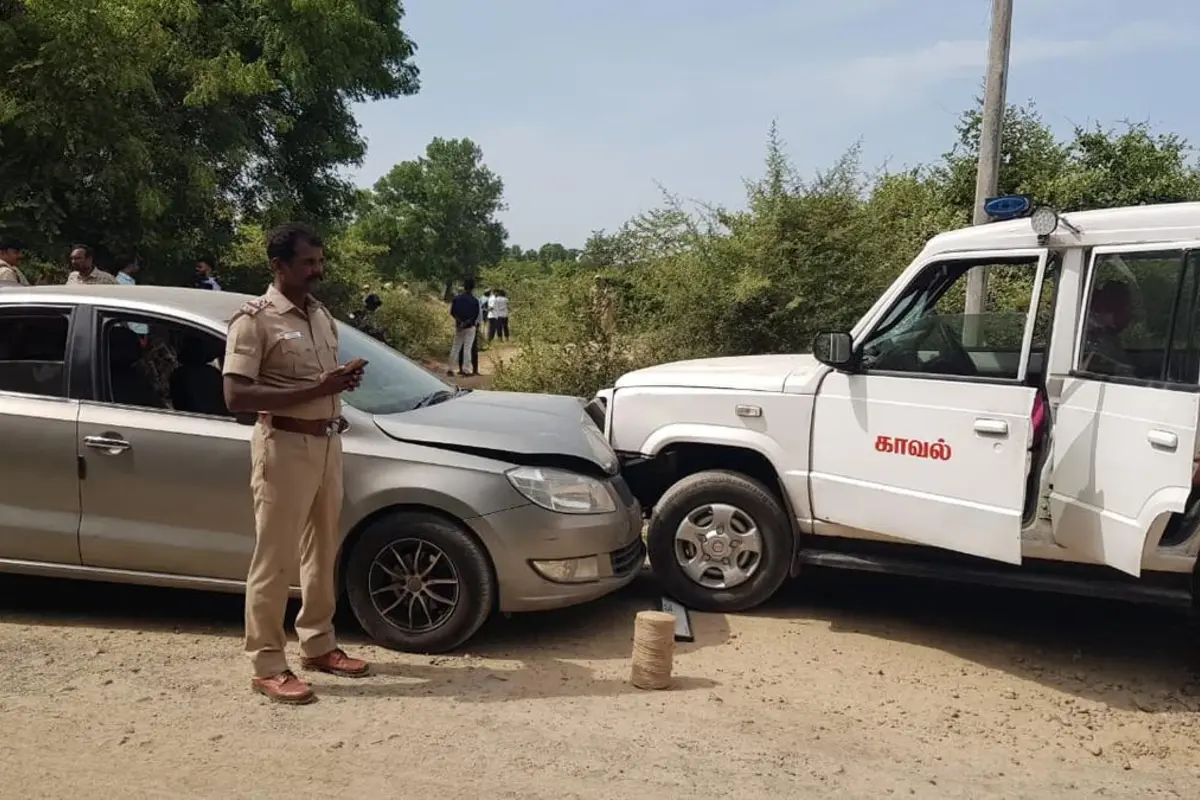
{"x": 1031, "y": 158}
{"x": 1097, "y": 168}
{"x": 436, "y": 215}
{"x": 155, "y": 127}
{"x": 1124, "y": 168}
{"x": 553, "y": 252}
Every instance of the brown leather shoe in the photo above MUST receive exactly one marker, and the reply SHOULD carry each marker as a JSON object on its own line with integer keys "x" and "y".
{"x": 284, "y": 688}
{"x": 336, "y": 662}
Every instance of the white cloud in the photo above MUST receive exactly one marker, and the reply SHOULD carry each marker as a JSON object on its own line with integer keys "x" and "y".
{"x": 877, "y": 83}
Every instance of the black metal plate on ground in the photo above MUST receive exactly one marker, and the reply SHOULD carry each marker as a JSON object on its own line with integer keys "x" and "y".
{"x": 683, "y": 620}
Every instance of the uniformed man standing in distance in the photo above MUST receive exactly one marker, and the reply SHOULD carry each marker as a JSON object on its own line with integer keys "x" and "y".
{"x": 10, "y": 261}
{"x": 281, "y": 363}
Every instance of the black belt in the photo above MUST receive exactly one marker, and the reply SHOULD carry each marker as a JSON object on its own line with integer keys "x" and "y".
{"x": 308, "y": 427}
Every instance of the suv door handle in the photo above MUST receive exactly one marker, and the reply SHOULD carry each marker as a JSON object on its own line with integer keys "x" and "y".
{"x": 994, "y": 427}
{"x": 109, "y": 444}
{"x": 1164, "y": 439}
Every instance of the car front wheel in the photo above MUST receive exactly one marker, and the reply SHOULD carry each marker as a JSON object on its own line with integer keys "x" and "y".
{"x": 720, "y": 541}
{"x": 419, "y": 583}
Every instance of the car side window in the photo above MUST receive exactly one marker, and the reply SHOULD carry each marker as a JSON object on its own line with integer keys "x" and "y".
{"x": 1140, "y": 319}
{"x": 33, "y": 352}
{"x": 154, "y": 363}
{"x": 928, "y": 330}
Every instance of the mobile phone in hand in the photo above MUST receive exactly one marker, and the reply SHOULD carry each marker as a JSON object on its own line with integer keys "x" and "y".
{"x": 356, "y": 365}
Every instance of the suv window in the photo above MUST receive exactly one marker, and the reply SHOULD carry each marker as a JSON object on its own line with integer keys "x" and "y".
{"x": 1140, "y": 320}
{"x": 155, "y": 363}
{"x": 33, "y": 352}
{"x": 928, "y": 331}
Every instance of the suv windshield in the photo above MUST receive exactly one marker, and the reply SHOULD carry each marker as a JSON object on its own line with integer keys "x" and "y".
{"x": 391, "y": 383}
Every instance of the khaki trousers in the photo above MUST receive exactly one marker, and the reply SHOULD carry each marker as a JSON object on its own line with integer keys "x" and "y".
{"x": 296, "y": 480}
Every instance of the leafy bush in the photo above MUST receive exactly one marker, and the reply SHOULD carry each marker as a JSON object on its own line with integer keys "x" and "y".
{"x": 573, "y": 341}
{"x": 414, "y": 325}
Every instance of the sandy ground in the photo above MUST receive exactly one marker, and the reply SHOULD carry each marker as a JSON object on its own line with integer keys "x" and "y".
{"x": 847, "y": 686}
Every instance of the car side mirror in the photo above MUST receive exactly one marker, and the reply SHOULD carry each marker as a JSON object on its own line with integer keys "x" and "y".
{"x": 834, "y": 348}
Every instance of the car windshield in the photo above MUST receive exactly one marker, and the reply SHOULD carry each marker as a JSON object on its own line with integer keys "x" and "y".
{"x": 391, "y": 382}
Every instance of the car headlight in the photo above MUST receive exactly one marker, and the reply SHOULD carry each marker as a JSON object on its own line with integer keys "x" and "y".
{"x": 562, "y": 491}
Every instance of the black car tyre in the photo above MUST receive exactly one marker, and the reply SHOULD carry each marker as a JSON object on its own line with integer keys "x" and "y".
{"x": 720, "y": 541}
{"x": 419, "y": 583}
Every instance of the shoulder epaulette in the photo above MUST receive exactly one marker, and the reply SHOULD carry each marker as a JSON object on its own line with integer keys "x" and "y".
{"x": 319, "y": 306}
{"x": 254, "y": 306}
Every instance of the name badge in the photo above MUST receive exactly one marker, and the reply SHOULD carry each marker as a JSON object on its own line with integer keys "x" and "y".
{"x": 293, "y": 335}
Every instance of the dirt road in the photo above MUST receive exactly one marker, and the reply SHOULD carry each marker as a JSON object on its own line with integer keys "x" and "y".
{"x": 495, "y": 353}
{"x": 845, "y": 687}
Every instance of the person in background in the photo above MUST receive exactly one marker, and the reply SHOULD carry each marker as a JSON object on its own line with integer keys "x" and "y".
{"x": 489, "y": 313}
{"x": 1110, "y": 314}
{"x": 499, "y": 314}
{"x": 10, "y": 261}
{"x": 206, "y": 268}
{"x": 126, "y": 274}
{"x": 84, "y": 271}
{"x": 125, "y": 278}
{"x": 479, "y": 323}
{"x": 464, "y": 309}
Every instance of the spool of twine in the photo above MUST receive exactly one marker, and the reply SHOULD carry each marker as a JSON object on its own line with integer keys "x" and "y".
{"x": 653, "y": 650}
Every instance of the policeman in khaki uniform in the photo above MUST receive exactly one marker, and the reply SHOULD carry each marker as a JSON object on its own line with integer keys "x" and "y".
{"x": 281, "y": 363}
{"x": 10, "y": 261}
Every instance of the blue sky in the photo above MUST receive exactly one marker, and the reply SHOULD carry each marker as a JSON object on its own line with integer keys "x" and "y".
{"x": 584, "y": 107}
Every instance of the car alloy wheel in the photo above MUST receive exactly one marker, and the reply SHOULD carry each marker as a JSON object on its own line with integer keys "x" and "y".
{"x": 414, "y": 585}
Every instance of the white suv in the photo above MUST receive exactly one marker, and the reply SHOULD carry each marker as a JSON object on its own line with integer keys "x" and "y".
{"x": 1048, "y": 441}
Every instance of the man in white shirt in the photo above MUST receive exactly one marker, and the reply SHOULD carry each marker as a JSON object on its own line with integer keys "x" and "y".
{"x": 84, "y": 270}
{"x": 488, "y": 316}
{"x": 498, "y": 315}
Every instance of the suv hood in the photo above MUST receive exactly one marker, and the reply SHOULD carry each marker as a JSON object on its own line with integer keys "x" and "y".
{"x": 528, "y": 429}
{"x": 766, "y": 373}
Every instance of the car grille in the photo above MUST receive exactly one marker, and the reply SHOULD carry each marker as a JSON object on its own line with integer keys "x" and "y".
{"x": 628, "y": 558}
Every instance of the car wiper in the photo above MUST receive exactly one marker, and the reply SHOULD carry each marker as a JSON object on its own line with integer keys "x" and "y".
{"x": 440, "y": 396}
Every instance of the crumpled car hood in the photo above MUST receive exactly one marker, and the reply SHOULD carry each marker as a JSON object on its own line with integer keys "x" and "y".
{"x": 524, "y": 428}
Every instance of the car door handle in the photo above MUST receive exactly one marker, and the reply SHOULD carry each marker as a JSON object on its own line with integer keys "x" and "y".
{"x": 993, "y": 427}
{"x": 111, "y": 445}
{"x": 1164, "y": 439}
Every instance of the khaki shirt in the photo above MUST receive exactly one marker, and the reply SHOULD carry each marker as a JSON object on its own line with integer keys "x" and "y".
{"x": 95, "y": 277}
{"x": 10, "y": 273}
{"x": 275, "y": 343}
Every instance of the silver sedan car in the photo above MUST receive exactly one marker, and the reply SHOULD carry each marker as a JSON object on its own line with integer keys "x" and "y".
{"x": 121, "y": 463}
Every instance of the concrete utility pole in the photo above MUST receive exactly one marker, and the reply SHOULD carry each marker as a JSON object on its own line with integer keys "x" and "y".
{"x": 988, "y": 174}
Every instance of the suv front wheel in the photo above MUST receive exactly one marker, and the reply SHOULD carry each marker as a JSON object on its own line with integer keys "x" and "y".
{"x": 720, "y": 541}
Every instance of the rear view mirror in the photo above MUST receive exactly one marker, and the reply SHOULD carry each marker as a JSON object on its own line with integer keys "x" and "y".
{"x": 834, "y": 348}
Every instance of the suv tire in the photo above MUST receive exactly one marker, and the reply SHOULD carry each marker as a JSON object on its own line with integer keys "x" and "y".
{"x": 751, "y": 498}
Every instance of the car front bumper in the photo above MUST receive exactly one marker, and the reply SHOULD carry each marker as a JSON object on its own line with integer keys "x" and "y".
{"x": 517, "y": 536}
